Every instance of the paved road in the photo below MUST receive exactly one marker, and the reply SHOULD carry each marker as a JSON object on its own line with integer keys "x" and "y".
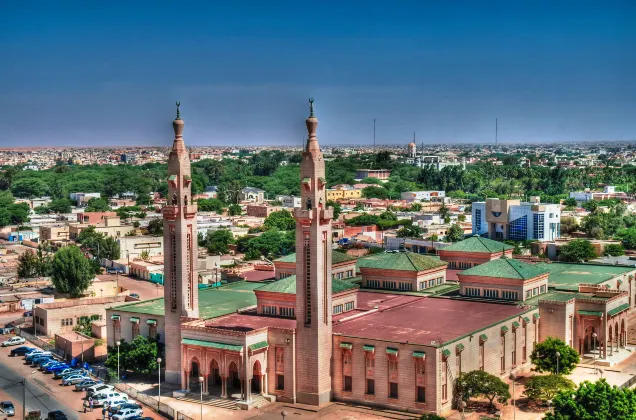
{"x": 145, "y": 289}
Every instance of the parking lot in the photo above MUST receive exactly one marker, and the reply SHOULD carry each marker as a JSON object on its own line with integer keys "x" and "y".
{"x": 43, "y": 391}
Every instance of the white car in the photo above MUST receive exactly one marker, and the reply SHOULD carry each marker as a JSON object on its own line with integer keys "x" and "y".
{"x": 98, "y": 389}
{"x": 13, "y": 341}
{"x": 75, "y": 378}
{"x": 128, "y": 413}
{"x": 108, "y": 398}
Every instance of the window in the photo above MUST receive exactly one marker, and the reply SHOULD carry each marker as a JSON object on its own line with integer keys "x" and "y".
{"x": 458, "y": 363}
{"x": 452, "y": 264}
{"x": 477, "y": 225}
{"x": 373, "y": 284}
{"x": 280, "y": 382}
{"x": 67, "y": 322}
{"x": 472, "y": 291}
{"x": 370, "y": 387}
{"x": 518, "y": 228}
{"x": 393, "y": 390}
{"x": 337, "y": 309}
{"x": 349, "y": 306}
{"x": 406, "y": 286}
{"x": 135, "y": 329}
{"x": 269, "y": 310}
{"x": 287, "y": 312}
{"x": 445, "y": 379}
{"x": 491, "y": 293}
{"x": 440, "y": 280}
{"x": 481, "y": 355}
{"x": 509, "y": 295}
{"x": 389, "y": 284}
{"x": 421, "y": 394}
{"x": 347, "y": 384}
{"x": 502, "y": 352}
{"x": 463, "y": 264}
{"x": 539, "y": 229}
{"x": 431, "y": 283}
{"x": 535, "y": 291}
{"x": 528, "y": 294}
{"x": 542, "y": 289}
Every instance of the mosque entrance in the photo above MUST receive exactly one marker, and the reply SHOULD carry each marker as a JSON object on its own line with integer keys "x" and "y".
{"x": 256, "y": 378}
{"x": 195, "y": 372}
{"x": 234, "y": 381}
{"x": 214, "y": 379}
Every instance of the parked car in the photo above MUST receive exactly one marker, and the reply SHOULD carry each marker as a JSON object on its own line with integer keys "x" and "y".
{"x": 56, "y": 415}
{"x": 44, "y": 363}
{"x": 54, "y": 368}
{"x": 40, "y": 359}
{"x": 116, "y": 406}
{"x": 85, "y": 384}
{"x": 13, "y": 341}
{"x": 128, "y": 413}
{"x": 29, "y": 357}
{"x": 7, "y": 330}
{"x": 74, "y": 379}
{"x": 97, "y": 388}
{"x": 61, "y": 373}
{"x": 108, "y": 397}
{"x": 27, "y": 314}
{"x": 141, "y": 418}
{"x": 7, "y": 408}
{"x": 134, "y": 295}
{"x": 112, "y": 271}
{"x": 20, "y": 351}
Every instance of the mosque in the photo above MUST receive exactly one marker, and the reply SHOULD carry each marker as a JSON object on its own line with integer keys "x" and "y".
{"x": 386, "y": 330}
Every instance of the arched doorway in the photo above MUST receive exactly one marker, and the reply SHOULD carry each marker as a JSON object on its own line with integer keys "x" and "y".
{"x": 234, "y": 381}
{"x": 195, "y": 372}
{"x": 588, "y": 344}
{"x": 256, "y": 378}
{"x": 616, "y": 336}
{"x": 214, "y": 379}
{"x": 623, "y": 334}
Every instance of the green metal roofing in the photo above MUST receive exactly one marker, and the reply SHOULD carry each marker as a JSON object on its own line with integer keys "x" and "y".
{"x": 172, "y": 177}
{"x": 288, "y": 285}
{"x": 564, "y": 276}
{"x": 151, "y": 322}
{"x": 507, "y": 268}
{"x": 590, "y": 313}
{"x": 336, "y": 258}
{"x": 419, "y": 354}
{"x": 536, "y": 316}
{"x": 478, "y": 244}
{"x": 306, "y": 180}
{"x": 618, "y": 309}
{"x": 483, "y": 337}
{"x": 446, "y": 353}
{"x": 515, "y": 324}
{"x": 526, "y": 319}
{"x": 390, "y": 350}
{"x": 347, "y": 346}
{"x": 211, "y": 344}
{"x": 504, "y": 329}
{"x": 460, "y": 347}
{"x": 134, "y": 319}
{"x": 258, "y": 346}
{"x": 213, "y": 302}
{"x": 115, "y": 317}
{"x": 368, "y": 347}
{"x": 402, "y": 261}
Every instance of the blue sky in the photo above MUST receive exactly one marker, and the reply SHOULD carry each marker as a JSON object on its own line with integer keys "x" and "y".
{"x": 108, "y": 72}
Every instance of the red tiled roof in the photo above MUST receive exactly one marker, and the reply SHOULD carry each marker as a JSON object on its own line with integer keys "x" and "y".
{"x": 244, "y": 322}
{"x": 258, "y": 275}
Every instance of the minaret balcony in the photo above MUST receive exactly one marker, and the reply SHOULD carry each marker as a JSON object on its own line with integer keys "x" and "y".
{"x": 170, "y": 212}
{"x": 189, "y": 211}
{"x": 300, "y": 213}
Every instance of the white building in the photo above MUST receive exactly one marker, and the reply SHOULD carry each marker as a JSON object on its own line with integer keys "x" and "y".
{"x": 609, "y": 191}
{"x": 289, "y": 201}
{"x": 515, "y": 220}
{"x": 416, "y": 196}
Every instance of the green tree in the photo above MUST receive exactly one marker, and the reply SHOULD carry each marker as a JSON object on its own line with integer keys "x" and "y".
{"x": 570, "y": 202}
{"x": 455, "y": 233}
{"x": 412, "y": 231}
{"x": 27, "y": 264}
{"x": 594, "y": 401}
{"x": 373, "y": 191}
{"x": 444, "y": 211}
{"x": 109, "y": 248}
{"x": 545, "y": 388}
{"x": 28, "y": 188}
{"x": 44, "y": 261}
{"x": 235, "y": 210}
{"x": 143, "y": 200}
{"x": 72, "y": 272}
{"x": 211, "y": 204}
{"x": 337, "y": 208}
{"x": 431, "y": 416}
{"x": 14, "y": 214}
{"x": 544, "y": 356}
{"x": 84, "y": 324}
{"x": 479, "y": 383}
{"x": 97, "y": 205}
{"x": 139, "y": 356}
{"x": 577, "y": 250}
{"x": 60, "y": 205}
{"x": 568, "y": 224}
{"x": 281, "y": 220}
{"x": 270, "y": 244}
{"x": 155, "y": 227}
{"x": 217, "y": 241}
{"x": 614, "y": 250}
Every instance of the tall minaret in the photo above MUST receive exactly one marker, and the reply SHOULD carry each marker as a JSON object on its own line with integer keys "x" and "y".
{"x": 313, "y": 275}
{"x": 181, "y": 292}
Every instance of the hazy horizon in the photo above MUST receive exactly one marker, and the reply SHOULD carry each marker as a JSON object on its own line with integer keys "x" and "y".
{"x": 108, "y": 73}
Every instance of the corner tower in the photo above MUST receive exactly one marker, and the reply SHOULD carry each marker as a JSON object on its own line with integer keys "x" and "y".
{"x": 181, "y": 298}
{"x": 313, "y": 275}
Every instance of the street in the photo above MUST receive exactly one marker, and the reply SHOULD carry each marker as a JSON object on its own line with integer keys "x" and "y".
{"x": 145, "y": 289}
{"x": 43, "y": 393}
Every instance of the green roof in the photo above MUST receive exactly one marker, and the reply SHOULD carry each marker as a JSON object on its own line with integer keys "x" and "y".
{"x": 478, "y": 244}
{"x": 336, "y": 258}
{"x": 347, "y": 346}
{"x": 591, "y": 313}
{"x": 288, "y": 285}
{"x": 561, "y": 297}
{"x": 368, "y": 347}
{"x": 419, "y": 354}
{"x": 526, "y": 319}
{"x": 504, "y": 329}
{"x": 536, "y": 316}
{"x": 172, "y": 177}
{"x": 460, "y": 347}
{"x": 618, "y": 309}
{"x": 483, "y": 337}
{"x": 446, "y": 353}
{"x": 402, "y": 261}
{"x": 390, "y": 350}
{"x": 115, "y": 317}
{"x": 151, "y": 322}
{"x": 258, "y": 346}
{"x": 506, "y": 268}
{"x": 564, "y": 276}
{"x": 211, "y": 344}
{"x": 515, "y": 324}
{"x": 134, "y": 319}
{"x": 213, "y": 302}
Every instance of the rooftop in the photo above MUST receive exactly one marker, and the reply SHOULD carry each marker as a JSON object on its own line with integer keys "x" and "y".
{"x": 505, "y": 268}
{"x": 478, "y": 244}
{"x": 565, "y": 276}
{"x": 213, "y": 302}
{"x": 288, "y": 285}
{"x": 402, "y": 261}
{"x": 250, "y": 322}
{"x": 336, "y": 258}
{"x": 561, "y": 297}
{"x": 428, "y": 319}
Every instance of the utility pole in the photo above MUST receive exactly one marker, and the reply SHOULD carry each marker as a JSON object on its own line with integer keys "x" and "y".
{"x": 24, "y": 383}
{"x": 496, "y": 132}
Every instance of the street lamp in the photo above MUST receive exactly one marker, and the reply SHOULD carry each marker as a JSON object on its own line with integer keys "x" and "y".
{"x": 594, "y": 335}
{"x": 159, "y": 393}
{"x": 283, "y": 414}
{"x": 514, "y": 405}
{"x": 462, "y": 407}
{"x": 201, "y": 389}
{"x": 118, "y": 344}
{"x": 558, "y": 354}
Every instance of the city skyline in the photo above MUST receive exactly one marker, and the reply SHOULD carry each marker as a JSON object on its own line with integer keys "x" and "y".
{"x": 99, "y": 75}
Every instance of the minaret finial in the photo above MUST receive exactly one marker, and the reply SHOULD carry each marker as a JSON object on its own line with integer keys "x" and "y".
{"x": 311, "y": 107}
{"x": 178, "y": 111}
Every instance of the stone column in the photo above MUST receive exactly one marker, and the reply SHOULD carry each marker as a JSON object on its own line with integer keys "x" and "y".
{"x": 242, "y": 389}
{"x": 223, "y": 387}
{"x": 187, "y": 378}
{"x": 248, "y": 391}
{"x": 205, "y": 384}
